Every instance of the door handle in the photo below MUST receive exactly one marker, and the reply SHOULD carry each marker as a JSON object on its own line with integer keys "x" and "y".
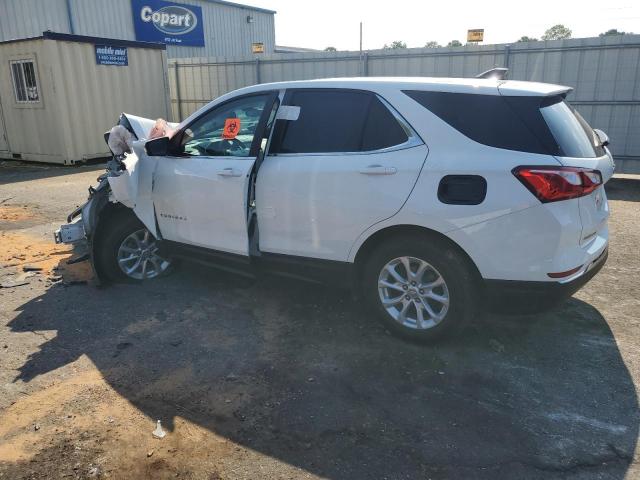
{"x": 378, "y": 170}
{"x": 229, "y": 172}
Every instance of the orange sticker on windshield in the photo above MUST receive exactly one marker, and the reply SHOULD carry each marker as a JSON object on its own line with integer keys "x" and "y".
{"x": 231, "y": 128}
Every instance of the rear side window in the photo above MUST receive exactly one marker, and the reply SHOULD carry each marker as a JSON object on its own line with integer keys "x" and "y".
{"x": 487, "y": 119}
{"x": 572, "y": 133}
{"x": 546, "y": 125}
{"x": 333, "y": 121}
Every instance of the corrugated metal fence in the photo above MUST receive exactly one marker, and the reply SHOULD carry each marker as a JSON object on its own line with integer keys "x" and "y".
{"x": 604, "y": 72}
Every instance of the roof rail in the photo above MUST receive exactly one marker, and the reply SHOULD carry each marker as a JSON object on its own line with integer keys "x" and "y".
{"x": 499, "y": 73}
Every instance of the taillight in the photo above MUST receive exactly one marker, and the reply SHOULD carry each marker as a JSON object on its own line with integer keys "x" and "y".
{"x": 551, "y": 184}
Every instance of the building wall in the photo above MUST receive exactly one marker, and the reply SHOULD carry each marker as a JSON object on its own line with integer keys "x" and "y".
{"x": 604, "y": 72}
{"x": 226, "y": 30}
{"x": 79, "y": 100}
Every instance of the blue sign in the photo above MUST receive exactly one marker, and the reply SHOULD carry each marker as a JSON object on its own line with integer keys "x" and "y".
{"x": 166, "y": 22}
{"x": 111, "y": 55}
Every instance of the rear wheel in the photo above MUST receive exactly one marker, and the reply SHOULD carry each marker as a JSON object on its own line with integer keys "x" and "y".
{"x": 128, "y": 251}
{"x": 420, "y": 288}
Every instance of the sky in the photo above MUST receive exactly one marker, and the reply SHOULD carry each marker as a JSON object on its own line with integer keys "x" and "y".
{"x": 322, "y": 23}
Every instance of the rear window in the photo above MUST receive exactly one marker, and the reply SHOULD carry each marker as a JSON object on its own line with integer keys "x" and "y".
{"x": 545, "y": 125}
{"x": 333, "y": 121}
{"x": 573, "y": 134}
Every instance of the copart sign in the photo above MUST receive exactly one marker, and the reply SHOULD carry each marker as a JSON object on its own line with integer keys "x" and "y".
{"x": 166, "y": 22}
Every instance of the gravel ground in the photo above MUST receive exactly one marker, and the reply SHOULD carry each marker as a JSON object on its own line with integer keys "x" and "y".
{"x": 280, "y": 379}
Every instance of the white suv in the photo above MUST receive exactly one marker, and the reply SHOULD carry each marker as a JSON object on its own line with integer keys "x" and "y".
{"x": 427, "y": 196}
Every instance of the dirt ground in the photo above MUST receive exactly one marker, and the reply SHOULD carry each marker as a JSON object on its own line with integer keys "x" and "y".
{"x": 280, "y": 379}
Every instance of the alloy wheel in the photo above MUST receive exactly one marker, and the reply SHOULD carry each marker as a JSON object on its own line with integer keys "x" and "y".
{"x": 138, "y": 256}
{"x": 413, "y": 292}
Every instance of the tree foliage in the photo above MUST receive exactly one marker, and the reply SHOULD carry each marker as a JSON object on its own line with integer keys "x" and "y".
{"x": 454, "y": 43}
{"x": 395, "y": 45}
{"x": 330, "y": 49}
{"x": 524, "y": 38}
{"x": 432, "y": 44}
{"x": 557, "y": 32}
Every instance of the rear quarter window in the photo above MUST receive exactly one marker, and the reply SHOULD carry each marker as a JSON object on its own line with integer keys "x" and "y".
{"x": 486, "y": 119}
{"x": 533, "y": 124}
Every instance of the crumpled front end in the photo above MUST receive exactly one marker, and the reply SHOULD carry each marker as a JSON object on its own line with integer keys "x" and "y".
{"x": 125, "y": 137}
{"x": 83, "y": 220}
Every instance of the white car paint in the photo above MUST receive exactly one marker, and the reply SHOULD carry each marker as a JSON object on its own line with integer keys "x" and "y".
{"x": 326, "y": 209}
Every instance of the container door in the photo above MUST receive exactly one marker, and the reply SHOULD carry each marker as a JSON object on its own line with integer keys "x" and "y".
{"x": 4, "y": 143}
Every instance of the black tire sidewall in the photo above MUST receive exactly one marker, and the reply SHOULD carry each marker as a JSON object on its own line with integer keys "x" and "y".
{"x": 118, "y": 227}
{"x": 451, "y": 266}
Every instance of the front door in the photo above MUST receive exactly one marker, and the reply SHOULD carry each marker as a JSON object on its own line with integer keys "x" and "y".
{"x": 200, "y": 193}
{"x": 348, "y": 162}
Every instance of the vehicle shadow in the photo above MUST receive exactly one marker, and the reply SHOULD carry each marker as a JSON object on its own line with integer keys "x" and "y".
{"x": 17, "y": 171}
{"x": 317, "y": 383}
{"x": 621, "y": 188}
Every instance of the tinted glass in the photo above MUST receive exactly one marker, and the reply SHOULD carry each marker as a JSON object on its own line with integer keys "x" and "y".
{"x": 574, "y": 135}
{"x": 513, "y": 124}
{"x": 337, "y": 121}
{"x": 381, "y": 129}
{"x": 226, "y": 130}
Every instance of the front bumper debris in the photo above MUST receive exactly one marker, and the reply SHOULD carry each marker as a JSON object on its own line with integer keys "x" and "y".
{"x": 70, "y": 233}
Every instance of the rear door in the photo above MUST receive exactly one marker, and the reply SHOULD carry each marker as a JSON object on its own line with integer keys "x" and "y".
{"x": 348, "y": 162}
{"x": 580, "y": 147}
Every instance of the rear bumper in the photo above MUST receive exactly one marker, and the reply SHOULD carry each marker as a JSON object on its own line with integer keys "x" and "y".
{"x": 525, "y": 297}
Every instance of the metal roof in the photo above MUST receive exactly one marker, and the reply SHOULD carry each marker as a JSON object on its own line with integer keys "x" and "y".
{"x": 68, "y": 37}
{"x": 241, "y": 5}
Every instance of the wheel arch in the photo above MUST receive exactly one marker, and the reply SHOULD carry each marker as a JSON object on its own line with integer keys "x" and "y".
{"x": 396, "y": 231}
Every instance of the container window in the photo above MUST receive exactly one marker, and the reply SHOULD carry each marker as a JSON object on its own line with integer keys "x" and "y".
{"x": 25, "y": 85}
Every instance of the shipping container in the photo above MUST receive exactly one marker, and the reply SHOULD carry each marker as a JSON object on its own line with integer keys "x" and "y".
{"x": 59, "y": 93}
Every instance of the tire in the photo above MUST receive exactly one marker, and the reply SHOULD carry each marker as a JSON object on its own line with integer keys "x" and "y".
{"x": 118, "y": 234}
{"x": 449, "y": 287}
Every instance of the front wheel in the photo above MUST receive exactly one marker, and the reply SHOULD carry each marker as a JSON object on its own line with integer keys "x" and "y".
{"x": 128, "y": 251}
{"x": 419, "y": 287}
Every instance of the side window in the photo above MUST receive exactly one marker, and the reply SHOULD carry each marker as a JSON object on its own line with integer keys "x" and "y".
{"x": 226, "y": 130}
{"x": 512, "y": 123}
{"x": 25, "y": 85}
{"x": 381, "y": 130}
{"x": 337, "y": 121}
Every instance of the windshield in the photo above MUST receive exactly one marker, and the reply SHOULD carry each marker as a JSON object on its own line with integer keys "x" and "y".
{"x": 572, "y": 133}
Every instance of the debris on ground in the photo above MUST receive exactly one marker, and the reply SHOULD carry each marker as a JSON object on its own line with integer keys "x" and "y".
{"x": 31, "y": 268}
{"x": 13, "y": 283}
{"x": 159, "y": 432}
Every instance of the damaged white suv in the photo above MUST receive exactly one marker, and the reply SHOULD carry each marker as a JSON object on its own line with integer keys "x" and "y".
{"x": 427, "y": 196}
